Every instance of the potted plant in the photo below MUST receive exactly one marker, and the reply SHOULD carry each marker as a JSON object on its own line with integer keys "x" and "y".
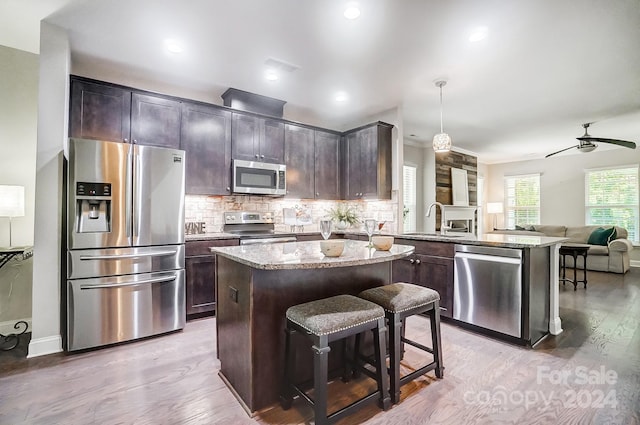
{"x": 343, "y": 216}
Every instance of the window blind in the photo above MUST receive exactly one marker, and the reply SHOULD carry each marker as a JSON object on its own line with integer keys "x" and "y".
{"x": 522, "y": 199}
{"x": 611, "y": 198}
{"x": 409, "y": 197}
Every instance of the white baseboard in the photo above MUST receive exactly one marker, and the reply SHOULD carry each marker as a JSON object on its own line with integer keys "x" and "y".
{"x": 634, "y": 263}
{"x": 43, "y": 346}
{"x": 7, "y": 328}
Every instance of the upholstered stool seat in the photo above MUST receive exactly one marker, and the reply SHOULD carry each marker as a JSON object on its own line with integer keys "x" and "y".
{"x": 401, "y": 300}
{"x": 324, "y": 321}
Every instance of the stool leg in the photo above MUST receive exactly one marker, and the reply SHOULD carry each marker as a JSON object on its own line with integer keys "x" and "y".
{"x": 320, "y": 379}
{"x": 356, "y": 357}
{"x": 436, "y": 338}
{"x": 381, "y": 367}
{"x": 285, "y": 393}
{"x": 395, "y": 354}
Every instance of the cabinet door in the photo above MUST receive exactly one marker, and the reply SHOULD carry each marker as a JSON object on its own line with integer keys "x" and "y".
{"x": 200, "y": 288}
{"x": 327, "y": 181}
{"x": 271, "y": 141}
{"x": 155, "y": 121}
{"x": 99, "y": 112}
{"x": 245, "y": 137}
{"x": 299, "y": 159}
{"x": 437, "y": 273}
{"x": 367, "y": 140}
{"x": 404, "y": 270}
{"x": 206, "y": 139}
{"x": 353, "y": 172}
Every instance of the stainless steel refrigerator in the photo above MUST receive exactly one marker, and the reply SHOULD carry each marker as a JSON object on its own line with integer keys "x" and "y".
{"x": 125, "y": 242}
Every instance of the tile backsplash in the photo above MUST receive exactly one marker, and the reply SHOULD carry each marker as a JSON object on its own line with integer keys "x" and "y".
{"x": 209, "y": 209}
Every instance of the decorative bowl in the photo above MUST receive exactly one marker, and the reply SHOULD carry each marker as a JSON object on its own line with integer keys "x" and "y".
{"x": 382, "y": 243}
{"x": 332, "y": 247}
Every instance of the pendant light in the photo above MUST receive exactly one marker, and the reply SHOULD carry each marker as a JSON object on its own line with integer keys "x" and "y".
{"x": 441, "y": 141}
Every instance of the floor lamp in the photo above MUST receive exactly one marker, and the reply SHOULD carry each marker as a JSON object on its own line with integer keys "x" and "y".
{"x": 494, "y": 208}
{"x": 11, "y": 204}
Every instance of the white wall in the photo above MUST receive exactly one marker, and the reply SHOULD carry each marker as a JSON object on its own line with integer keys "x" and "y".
{"x": 18, "y": 133}
{"x": 52, "y": 135}
{"x": 561, "y": 182}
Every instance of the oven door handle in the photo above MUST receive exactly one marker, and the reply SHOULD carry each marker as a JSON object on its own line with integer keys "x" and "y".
{"x": 266, "y": 240}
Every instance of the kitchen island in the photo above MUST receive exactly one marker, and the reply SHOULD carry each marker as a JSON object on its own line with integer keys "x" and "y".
{"x": 257, "y": 283}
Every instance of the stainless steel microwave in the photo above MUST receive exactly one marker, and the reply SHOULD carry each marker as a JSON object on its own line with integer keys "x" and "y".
{"x": 259, "y": 178}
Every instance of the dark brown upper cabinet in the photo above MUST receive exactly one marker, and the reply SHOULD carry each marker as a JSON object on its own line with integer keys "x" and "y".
{"x": 299, "y": 157}
{"x": 99, "y": 112}
{"x": 312, "y": 158}
{"x": 367, "y": 162}
{"x": 206, "y": 139}
{"x": 116, "y": 114}
{"x": 327, "y": 160}
{"x": 155, "y": 121}
{"x": 256, "y": 138}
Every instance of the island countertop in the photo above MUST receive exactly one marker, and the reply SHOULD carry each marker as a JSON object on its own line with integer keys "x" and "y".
{"x": 307, "y": 255}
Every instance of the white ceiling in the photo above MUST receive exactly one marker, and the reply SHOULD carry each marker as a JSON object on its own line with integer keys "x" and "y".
{"x": 546, "y": 67}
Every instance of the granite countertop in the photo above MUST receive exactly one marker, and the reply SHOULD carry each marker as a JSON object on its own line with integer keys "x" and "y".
{"x": 307, "y": 255}
{"x": 489, "y": 239}
{"x": 210, "y": 236}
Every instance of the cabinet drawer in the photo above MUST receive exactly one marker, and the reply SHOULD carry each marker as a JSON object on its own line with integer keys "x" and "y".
{"x": 193, "y": 248}
{"x": 436, "y": 249}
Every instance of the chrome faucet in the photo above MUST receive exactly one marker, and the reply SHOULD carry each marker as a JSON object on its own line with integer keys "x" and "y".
{"x": 443, "y": 222}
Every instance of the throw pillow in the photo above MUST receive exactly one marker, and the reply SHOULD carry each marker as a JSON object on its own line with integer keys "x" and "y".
{"x": 602, "y": 236}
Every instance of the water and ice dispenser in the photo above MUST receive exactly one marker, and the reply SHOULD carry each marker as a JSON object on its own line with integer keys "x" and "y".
{"x": 93, "y": 209}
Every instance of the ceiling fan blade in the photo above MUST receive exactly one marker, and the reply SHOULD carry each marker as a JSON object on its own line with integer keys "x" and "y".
{"x": 624, "y": 143}
{"x": 566, "y": 149}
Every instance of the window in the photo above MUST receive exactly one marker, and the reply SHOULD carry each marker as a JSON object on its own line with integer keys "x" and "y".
{"x": 409, "y": 198}
{"x": 522, "y": 198}
{"x": 611, "y": 198}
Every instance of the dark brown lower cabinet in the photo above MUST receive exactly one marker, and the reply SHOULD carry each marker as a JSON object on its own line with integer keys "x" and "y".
{"x": 430, "y": 266}
{"x": 200, "y": 265}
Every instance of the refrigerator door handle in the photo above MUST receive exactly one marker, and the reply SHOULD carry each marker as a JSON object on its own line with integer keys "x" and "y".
{"x": 137, "y": 282}
{"x": 128, "y": 197}
{"x": 122, "y": 256}
{"x": 137, "y": 191}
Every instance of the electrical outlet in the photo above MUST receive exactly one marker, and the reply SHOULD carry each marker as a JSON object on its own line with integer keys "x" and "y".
{"x": 233, "y": 294}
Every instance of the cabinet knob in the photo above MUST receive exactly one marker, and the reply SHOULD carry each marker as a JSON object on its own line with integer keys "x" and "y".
{"x": 317, "y": 193}
{"x": 257, "y": 156}
{"x": 261, "y": 156}
{"x": 412, "y": 261}
{"x": 135, "y": 141}
{"x": 417, "y": 261}
{"x": 228, "y": 189}
{"x": 126, "y": 140}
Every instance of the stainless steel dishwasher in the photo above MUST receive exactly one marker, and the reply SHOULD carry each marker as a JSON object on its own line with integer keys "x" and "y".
{"x": 488, "y": 288}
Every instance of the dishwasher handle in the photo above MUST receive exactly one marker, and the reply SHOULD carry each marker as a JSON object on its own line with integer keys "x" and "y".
{"x": 488, "y": 258}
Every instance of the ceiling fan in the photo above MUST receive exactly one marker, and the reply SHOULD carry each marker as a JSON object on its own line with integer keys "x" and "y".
{"x": 586, "y": 142}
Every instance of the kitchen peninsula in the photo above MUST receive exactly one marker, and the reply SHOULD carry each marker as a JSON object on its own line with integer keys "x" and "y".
{"x": 257, "y": 283}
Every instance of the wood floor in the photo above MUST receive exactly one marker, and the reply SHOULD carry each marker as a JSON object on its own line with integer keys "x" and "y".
{"x": 174, "y": 379}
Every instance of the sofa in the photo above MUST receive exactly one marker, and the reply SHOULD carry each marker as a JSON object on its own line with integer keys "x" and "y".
{"x": 612, "y": 257}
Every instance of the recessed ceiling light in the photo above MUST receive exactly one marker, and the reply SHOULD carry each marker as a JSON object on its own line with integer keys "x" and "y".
{"x": 271, "y": 75}
{"x": 341, "y": 97}
{"x": 352, "y": 11}
{"x": 478, "y": 34}
{"x": 173, "y": 46}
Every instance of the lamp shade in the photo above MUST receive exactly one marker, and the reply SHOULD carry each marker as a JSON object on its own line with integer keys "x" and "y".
{"x": 494, "y": 207}
{"x": 11, "y": 201}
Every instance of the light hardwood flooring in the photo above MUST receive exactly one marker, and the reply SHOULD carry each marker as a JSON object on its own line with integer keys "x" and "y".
{"x": 174, "y": 379}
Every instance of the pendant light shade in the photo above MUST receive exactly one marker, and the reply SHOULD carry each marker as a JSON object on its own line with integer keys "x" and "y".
{"x": 441, "y": 141}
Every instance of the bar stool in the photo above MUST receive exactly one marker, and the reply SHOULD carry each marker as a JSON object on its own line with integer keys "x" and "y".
{"x": 401, "y": 300}
{"x": 324, "y": 321}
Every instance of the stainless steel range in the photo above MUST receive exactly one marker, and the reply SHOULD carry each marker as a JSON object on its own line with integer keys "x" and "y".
{"x": 254, "y": 227}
